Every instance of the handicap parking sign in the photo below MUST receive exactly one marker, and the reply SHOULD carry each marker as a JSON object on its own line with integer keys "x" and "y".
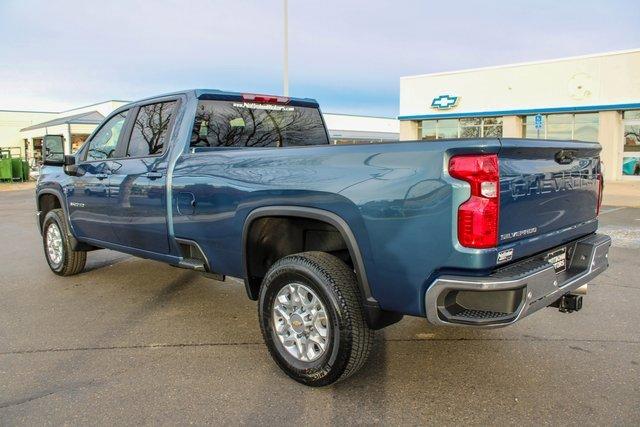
{"x": 538, "y": 121}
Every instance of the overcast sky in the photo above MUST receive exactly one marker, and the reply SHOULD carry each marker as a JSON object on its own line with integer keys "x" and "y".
{"x": 347, "y": 54}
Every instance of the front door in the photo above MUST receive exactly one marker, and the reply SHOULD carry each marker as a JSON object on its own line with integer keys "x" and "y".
{"x": 138, "y": 181}
{"x": 88, "y": 198}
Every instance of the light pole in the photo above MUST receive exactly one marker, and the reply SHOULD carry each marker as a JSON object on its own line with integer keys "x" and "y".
{"x": 285, "y": 71}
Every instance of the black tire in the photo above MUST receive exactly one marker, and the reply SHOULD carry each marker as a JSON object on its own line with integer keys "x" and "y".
{"x": 349, "y": 338}
{"x": 71, "y": 262}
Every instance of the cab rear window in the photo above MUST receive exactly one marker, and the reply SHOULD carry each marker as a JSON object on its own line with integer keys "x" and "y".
{"x": 248, "y": 124}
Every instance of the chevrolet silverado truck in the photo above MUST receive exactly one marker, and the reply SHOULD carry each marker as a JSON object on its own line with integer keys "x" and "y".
{"x": 333, "y": 241}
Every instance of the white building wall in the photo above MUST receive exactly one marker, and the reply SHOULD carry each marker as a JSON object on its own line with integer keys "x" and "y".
{"x": 12, "y": 121}
{"x": 361, "y": 123}
{"x": 612, "y": 78}
{"x": 607, "y": 84}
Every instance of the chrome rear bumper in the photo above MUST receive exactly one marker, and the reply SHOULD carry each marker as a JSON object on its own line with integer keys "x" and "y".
{"x": 515, "y": 291}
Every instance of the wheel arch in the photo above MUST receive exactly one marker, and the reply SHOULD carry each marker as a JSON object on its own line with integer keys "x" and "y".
{"x": 46, "y": 200}
{"x": 376, "y": 317}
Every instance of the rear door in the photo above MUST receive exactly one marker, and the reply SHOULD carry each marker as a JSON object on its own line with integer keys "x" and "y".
{"x": 546, "y": 186}
{"x": 138, "y": 180}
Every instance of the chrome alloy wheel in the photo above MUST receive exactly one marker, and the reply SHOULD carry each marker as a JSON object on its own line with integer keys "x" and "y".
{"x": 300, "y": 322}
{"x": 54, "y": 243}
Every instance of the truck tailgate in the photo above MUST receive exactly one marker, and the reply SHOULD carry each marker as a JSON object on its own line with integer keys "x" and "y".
{"x": 546, "y": 186}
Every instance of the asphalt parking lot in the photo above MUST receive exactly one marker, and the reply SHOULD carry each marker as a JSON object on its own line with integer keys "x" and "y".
{"x": 133, "y": 341}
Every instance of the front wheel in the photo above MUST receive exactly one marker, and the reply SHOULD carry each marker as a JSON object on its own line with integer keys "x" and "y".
{"x": 56, "y": 238}
{"x": 312, "y": 320}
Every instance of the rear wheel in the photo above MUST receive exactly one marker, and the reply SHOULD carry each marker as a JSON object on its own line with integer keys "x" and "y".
{"x": 56, "y": 238}
{"x": 312, "y": 320}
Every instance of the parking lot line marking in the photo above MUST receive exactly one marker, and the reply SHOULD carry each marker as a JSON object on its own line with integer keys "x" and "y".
{"x": 612, "y": 210}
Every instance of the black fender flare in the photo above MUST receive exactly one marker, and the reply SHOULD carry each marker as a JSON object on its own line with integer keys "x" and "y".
{"x": 75, "y": 243}
{"x": 58, "y": 194}
{"x": 376, "y": 317}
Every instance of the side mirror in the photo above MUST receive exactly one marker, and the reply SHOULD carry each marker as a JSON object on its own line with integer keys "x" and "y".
{"x": 69, "y": 165}
{"x": 53, "y": 150}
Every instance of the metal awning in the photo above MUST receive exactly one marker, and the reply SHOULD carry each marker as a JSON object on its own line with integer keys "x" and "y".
{"x": 89, "y": 118}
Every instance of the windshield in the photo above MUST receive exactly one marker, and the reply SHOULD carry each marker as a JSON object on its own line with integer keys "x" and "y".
{"x": 249, "y": 124}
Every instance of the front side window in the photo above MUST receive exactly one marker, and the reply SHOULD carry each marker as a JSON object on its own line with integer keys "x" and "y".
{"x": 241, "y": 124}
{"x": 103, "y": 144}
{"x": 150, "y": 129}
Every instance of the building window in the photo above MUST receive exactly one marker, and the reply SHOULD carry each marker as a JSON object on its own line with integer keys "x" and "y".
{"x": 631, "y": 152}
{"x": 631, "y": 115}
{"x": 468, "y": 127}
{"x": 583, "y": 127}
{"x": 492, "y": 127}
{"x": 447, "y": 128}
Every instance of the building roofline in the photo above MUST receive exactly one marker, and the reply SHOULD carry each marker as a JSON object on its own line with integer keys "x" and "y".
{"x": 30, "y": 111}
{"x": 524, "y": 111}
{"x": 381, "y": 132}
{"x": 360, "y": 115}
{"x": 94, "y": 104}
{"x": 520, "y": 64}
{"x": 62, "y": 111}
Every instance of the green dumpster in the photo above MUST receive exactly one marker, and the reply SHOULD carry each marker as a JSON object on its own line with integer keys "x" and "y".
{"x": 5, "y": 169}
{"x": 25, "y": 170}
{"x": 16, "y": 169}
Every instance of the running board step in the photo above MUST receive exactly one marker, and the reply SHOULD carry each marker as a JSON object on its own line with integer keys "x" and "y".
{"x": 192, "y": 264}
{"x": 198, "y": 265}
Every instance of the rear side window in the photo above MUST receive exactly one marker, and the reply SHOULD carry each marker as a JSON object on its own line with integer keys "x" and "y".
{"x": 248, "y": 124}
{"x": 103, "y": 144}
{"x": 150, "y": 129}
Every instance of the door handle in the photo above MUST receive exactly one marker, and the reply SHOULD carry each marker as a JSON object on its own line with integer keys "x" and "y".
{"x": 154, "y": 175}
{"x": 102, "y": 176}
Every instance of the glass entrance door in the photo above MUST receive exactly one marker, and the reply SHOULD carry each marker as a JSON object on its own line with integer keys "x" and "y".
{"x": 631, "y": 148}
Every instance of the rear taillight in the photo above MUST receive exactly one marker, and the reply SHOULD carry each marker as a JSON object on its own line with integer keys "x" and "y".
{"x": 478, "y": 216}
{"x": 267, "y": 99}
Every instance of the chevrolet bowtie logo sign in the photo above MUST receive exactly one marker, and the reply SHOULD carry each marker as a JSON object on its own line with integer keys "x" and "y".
{"x": 444, "y": 102}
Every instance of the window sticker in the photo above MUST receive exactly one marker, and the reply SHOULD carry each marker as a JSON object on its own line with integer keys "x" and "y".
{"x": 256, "y": 106}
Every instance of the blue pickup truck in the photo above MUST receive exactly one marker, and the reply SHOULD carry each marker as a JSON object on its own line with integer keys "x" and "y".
{"x": 333, "y": 241}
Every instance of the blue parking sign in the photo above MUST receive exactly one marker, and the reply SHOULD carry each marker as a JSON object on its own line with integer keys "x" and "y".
{"x": 538, "y": 121}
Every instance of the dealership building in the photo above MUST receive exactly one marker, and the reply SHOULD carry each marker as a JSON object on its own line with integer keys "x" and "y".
{"x": 589, "y": 98}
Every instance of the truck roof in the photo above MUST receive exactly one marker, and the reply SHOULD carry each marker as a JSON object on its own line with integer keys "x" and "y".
{"x": 222, "y": 95}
